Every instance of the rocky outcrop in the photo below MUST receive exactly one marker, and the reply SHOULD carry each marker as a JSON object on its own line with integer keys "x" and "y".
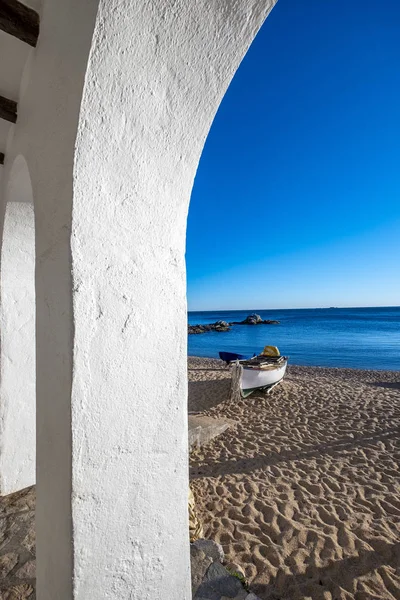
{"x": 255, "y": 320}
{"x": 218, "y": 583}
{"x": 252, "y": 320}
{"x": 211, "y": 549}
{"x": 217, "y": 326}
{"x": 224, "y": 326}
{"x": 210, "y": 579}
{"x": 17, "y": 545}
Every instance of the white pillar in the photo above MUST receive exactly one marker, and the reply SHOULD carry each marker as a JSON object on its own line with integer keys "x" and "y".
{"x": 156, "y": 74}
{"x": 17, "y": 331}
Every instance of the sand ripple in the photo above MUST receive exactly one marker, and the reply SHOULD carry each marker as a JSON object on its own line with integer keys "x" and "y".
{"x": 305, "y": 492}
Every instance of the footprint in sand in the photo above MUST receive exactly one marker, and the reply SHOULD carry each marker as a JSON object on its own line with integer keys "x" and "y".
{"x": 326, "y": 517}
{"x": 341, "y": 513}
{"x": 346, "y": 540}
{"x": 287, "y": 509}
{"x": 390, "y": 508}
{"x": 312, "y": 488}
{"x": 269, "y": 513}
{"x": 331, "y": 484}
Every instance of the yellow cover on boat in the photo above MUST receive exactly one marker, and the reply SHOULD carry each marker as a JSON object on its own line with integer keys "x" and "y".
{"x": 270, "y": 351}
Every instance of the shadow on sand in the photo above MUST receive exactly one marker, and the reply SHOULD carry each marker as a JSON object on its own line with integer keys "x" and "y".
{"x": 390, "y": 385}
{"x": 247, "y": 465}
{"x": 332, "y": 578}
{"x": 208, "y": 369}
{"x": 202, "y": 397}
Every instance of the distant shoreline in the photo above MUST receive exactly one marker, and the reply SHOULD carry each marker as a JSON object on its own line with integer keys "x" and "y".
{"x": 251, "y": 310}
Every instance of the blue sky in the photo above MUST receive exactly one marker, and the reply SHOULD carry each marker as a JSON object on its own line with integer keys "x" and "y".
{"x": 296, "y": 202}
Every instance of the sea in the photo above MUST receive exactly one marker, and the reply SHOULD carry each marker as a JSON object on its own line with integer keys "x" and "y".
{"x": 358, "y": 338}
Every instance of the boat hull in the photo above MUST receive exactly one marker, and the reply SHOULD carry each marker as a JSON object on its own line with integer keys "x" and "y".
{"x": 261, "y": 379}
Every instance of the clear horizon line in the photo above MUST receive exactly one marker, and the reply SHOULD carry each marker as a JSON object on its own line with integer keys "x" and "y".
{"x": 292, "y": 308}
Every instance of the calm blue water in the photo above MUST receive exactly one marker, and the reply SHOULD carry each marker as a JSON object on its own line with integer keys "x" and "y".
{"x": 361, "y": 338}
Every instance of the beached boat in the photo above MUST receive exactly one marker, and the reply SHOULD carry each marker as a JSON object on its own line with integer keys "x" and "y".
{"x": 261, "y": 373}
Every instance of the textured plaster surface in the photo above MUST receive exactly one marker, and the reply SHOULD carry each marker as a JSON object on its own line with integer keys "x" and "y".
{"x": 157, "y": 72}
{"x": 112, "y": 173}
{"x": 17, "y": 331}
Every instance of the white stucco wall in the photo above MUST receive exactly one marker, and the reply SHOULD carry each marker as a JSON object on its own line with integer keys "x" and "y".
{"x": 17, "y": 333}
{"x": 156, "y": 75}
{"x": 112, "y": 173}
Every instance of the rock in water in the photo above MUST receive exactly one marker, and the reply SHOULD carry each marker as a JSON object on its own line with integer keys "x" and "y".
{"x": 224, "y": 326}
{"x": 221, "y": 326}
{"x": 255, "y": 320}
{"x": 196, "y": 329}
{"x": 217, "y": 326}
{"x": 252, "y": 320}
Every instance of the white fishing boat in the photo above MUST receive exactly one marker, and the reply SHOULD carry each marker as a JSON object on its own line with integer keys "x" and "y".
{"x": 260, "y": 373}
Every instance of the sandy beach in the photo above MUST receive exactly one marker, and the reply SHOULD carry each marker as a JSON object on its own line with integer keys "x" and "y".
{"x": 303, "y": 492}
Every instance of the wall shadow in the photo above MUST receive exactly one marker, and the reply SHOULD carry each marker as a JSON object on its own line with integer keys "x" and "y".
{"x": 390, "y": 385}
{"x": 247, "y": 465}
{"x": 204, "y": 395}
{"x": 333, "y": 578}
{"x": 226, "y": 369}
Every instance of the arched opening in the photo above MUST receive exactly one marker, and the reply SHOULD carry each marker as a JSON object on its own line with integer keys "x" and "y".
{"x": 17, "y": 330}
{"x": 290, "y": 216}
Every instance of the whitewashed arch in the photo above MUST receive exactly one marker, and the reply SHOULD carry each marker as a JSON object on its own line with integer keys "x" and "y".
{"x": 113, "y": 121}
{"x": 17, "y": 334}
{"x": 141, "y": 132}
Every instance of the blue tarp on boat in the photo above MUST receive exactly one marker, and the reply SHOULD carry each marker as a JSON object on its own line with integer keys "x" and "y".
{"x": 232, "y": 356}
